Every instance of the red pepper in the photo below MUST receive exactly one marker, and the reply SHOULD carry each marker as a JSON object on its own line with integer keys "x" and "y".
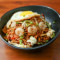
{"x": 43, "y": 15}
{"x": 12, "y": 38}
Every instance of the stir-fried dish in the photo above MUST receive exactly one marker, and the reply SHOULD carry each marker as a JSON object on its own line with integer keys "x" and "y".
{"x": 27, "y": 29}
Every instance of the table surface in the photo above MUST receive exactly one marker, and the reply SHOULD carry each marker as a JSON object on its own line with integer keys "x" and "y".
{"x": 52, "y": 52}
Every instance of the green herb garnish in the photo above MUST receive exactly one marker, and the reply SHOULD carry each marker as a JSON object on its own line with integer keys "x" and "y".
{"x": 11, "y": 30}
{"x": 48, "y": 25}
{"x": 6, "y": 39}
{"x": 31, "y": 36}
{"x": 54, "y": 22}
{"x": 39, "y": 43}
{"x": 6, "y": 33}
{"x": 27, "y": 25}
{"x": 21, "y": 37}
{"x": 9, "y": 27}
{"x": 46, "y": 40}
{"x": 37, "y": 24}
{"x": 20, "y": 42}
{"x": 31, "y": 22}
{"x": 17, "y": 22}
{"x": 53, "y": 35}
{"x": 27, "y": 21}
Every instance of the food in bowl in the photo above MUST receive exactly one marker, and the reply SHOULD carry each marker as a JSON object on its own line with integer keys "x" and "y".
{"x": 27, "y": 29}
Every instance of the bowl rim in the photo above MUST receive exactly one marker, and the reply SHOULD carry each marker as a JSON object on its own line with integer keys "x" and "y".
{"x": 36, "y": 46}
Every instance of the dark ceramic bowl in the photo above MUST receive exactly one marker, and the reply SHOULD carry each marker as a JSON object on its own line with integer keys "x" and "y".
{"x": 50, "y": 15}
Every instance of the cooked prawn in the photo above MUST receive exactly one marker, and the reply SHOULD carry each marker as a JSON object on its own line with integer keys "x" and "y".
{"x": 32, "y": 29}
{"x": 42, "y": 25}
{"x": 19, "y": 31}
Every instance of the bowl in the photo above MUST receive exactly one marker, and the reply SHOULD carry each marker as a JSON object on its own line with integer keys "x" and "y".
{"x": 50, "y": 16}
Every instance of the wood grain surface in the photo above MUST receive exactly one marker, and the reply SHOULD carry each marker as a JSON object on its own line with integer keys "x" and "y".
{"x": 51, "y": 52}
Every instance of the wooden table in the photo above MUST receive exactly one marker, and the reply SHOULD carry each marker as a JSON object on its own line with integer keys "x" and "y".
{"x": 52, "y": 52}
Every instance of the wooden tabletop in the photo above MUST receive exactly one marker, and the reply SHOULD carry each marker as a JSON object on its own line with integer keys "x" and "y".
{"x": 52, "y": 52}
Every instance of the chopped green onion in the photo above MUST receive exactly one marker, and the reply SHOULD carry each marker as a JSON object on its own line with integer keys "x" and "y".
{"x": 17, "y": 22}
{"x": 20, "y": 42}
{"x": 53, "y": 35}
{"x": 21, "y": 37}
{"x": 6, "y": 33}
{"x": 46, "y": 40}
{"x": 11, "y": 30}
{"x": 25, "y": 33}
{"x": 6, "y": 39}
{"x": 39, "y": 43}
{"x": 31, "y": 36}
{"x": 37, "y": 24}
{"x": 27, "y": 25}
{"x": 23, "y": 15}
{"x": 27, "y": 21}
{"x": 9, "y": 27}
{"x": 48, "y": 25}
{"x": 31, "y": 22}
{"x": 27, "y": 45}
{"x": 21, "y": 21}
{"x": 54, "y": 22}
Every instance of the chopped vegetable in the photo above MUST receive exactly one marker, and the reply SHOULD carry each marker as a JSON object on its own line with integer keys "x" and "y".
{"x": 6, "y": 33}
{"x": 12, "y": 38}
{"x": 37, "y": 24}
{"x": 48, "y": 25}
{"x": 27, "y": 25}
{"x": 46, "y": 40}
{"x": 6, "y": 39}
{"x": 31, "y": 36}
{"x": 42, "y": 16}
{"x": 39, "y": 43}
{"x": 9, "y": 27}
{"x": 53, "y": 35}
{"x": 27, "y": 21}
{"x": 17, "y": 22}
{"x": 21, "y": 37}
{"x": 31, "y": 22}
{"x": 54, "y": 22}
{"x": 11, "y": 30}
{"x": 21, "y": 21}
{"x": 20, "y": 42}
